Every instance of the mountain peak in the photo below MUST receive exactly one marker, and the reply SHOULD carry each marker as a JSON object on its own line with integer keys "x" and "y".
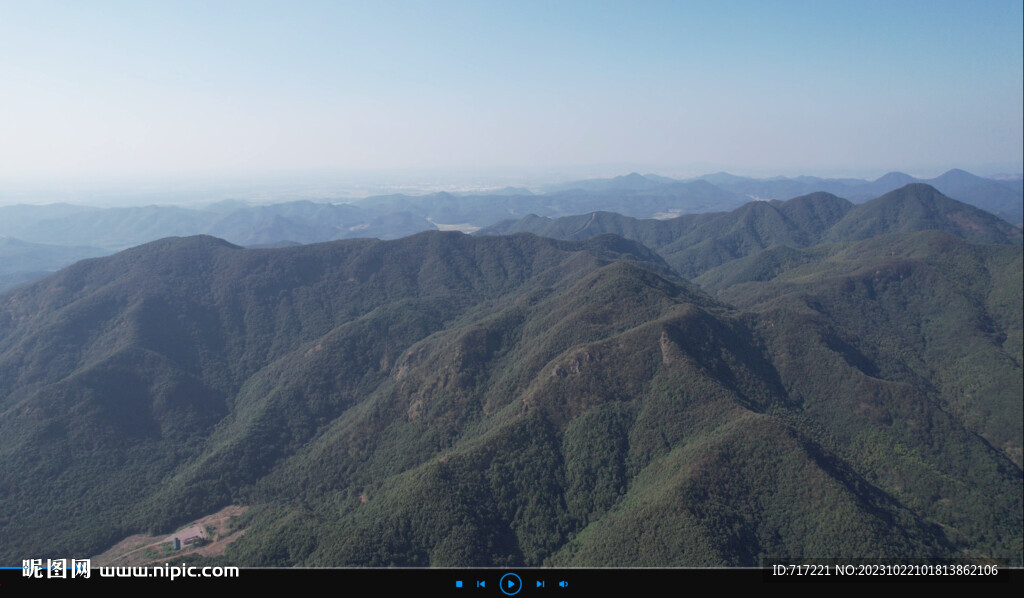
{"x": 956, "y": 176}
{"x": 920, "y": 193}
{"x": 917, "y": 207}
{"x": 721, "y": 178}
{"x": 895, "y": 178}
{"x": 916, "y": 188}
{"x": 633, "y": 181}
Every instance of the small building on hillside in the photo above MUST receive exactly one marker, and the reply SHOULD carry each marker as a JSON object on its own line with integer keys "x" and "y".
{"x": 188, "y": 536}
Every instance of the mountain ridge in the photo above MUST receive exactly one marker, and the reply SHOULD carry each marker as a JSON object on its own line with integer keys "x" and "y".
{"x": 454, "y": 400}
{"x": 695, "y": 243}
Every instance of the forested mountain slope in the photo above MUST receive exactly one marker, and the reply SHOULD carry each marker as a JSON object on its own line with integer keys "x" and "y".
{"x": 516, "y": 400}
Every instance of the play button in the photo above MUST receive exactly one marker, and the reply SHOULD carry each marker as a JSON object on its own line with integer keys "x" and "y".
{"x": 510, "y": 584}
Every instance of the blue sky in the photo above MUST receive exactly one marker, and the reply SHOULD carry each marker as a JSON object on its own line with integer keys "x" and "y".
{"x": 768, "y": 87}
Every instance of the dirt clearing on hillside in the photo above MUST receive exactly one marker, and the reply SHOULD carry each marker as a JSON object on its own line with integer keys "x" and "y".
{"x": 217, "y": 532}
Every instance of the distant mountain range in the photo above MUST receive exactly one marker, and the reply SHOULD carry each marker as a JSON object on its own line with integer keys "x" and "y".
{"x": 845, "y": 382}
{"x": 1000, "y": 196}
{"x": 395, "y": 216}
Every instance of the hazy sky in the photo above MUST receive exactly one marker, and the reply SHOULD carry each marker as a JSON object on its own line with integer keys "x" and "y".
{"x": 764, "y": 87}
